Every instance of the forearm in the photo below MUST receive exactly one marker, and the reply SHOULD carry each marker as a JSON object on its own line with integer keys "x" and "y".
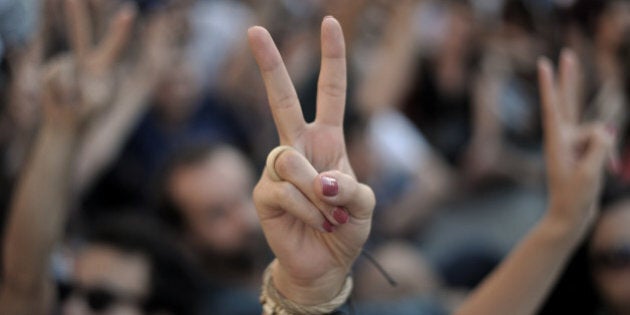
{"x": 525, "y": 278}
{"x": 388, "y": 79}
{"x": 104, "y": 140}
{"x": 39, "y": 208}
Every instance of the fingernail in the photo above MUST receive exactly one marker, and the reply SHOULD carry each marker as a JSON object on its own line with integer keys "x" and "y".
{"x": 328, "y": 227}
{"x": 341, "y": 215}
{"x": 328, "y": 17}
{"x": 330, "y": 187}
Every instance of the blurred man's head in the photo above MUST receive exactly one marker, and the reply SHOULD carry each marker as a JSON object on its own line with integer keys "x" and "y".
{"x": 604, "y": 20}
{"x": 176, "y": 97}
{"x": 128, "y": 267}
{"x": 610, "y": 256}
{"x": 206, "y": 195}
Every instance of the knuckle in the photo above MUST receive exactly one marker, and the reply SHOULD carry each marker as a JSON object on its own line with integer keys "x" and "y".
{"x": 370, "y": 197}
{"x": 283, "y": 192}
{"x": 333, "y": 89}
{"x": 260, "y": 193}
{"x": 287, "y": 100}
{"x": 314, "y": 218}
{"x": 287, "y": 163}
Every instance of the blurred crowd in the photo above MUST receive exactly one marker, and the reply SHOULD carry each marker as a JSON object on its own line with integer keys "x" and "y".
{"x": 442, "y": 121}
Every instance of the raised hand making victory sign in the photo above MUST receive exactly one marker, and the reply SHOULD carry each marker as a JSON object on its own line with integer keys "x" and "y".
{"x": 315, "y": 215}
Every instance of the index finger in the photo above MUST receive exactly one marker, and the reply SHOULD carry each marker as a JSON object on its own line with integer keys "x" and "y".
{"x": 78, "y": 27}
{"x": 117, "y": 36}
{"x": 282, "y": 96}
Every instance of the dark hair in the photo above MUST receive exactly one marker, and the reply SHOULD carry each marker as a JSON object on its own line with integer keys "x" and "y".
{"x": 175, "y": 284}
{"x": 575, "y": 292}
{"x": 518, "y": 13}
{"x": 586, "y": 14}
{"x": 166, "y": 208}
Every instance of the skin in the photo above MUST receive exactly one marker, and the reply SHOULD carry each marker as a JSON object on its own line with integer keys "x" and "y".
{"x": 102, "y": 266}
{"x": 215, "y": 201}
{"x": 311, "y": 264}
{"x": 612, "y": 232}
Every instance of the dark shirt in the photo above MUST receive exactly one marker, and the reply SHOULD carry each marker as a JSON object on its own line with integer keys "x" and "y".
{"x": 128, "y": 182}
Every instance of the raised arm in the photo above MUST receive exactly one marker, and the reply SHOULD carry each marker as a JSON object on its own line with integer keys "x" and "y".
{"x": 106, "y": 136}
{"x": 575, "y": 157}
{"x": 315, "y": 215}
{"x": 396, "y": 55}
{"x": 43, "y": 197}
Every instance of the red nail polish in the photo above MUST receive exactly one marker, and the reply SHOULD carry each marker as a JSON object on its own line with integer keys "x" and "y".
{"x": 341, "y": 215}
{"x": 328, "y": 227}
{"x": 330, "y": 186}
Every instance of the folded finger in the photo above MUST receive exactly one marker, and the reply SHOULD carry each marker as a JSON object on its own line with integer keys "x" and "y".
{"x": 284, "y": 196}
{"x": 599, "y": 144}
{"x": 342, "y": 190}
{"x": 291, "y": 166}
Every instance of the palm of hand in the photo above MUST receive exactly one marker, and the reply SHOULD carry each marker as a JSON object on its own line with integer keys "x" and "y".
{"x": 318, "y": 253}
{"x": 78, "y": 85}
{"x": 305, "y": 252}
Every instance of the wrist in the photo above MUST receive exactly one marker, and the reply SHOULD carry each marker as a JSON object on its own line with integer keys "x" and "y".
{"x": 60, "y": 135}
{"x": 67, "y": 127}
{"x": 564, "y": 229}
{"x": 308, "y": 292}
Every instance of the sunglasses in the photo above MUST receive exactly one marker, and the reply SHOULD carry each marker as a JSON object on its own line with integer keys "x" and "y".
{"x": 613, "y": 259}
{"x": 98, "y": 299}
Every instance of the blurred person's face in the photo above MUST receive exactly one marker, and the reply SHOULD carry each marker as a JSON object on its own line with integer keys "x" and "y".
{"x": 460, "y": 28}
{"x": 176, "y": 95}
{"x": 106, "y": 281}
{"x": 610, "y": 255}
{"x": 214, "y": 197}
{"x": 521, "y": 47}
{"x": 613, "y": 24}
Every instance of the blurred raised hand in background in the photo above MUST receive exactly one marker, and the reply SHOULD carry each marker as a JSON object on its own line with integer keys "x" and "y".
{"x": 75, "y": 90}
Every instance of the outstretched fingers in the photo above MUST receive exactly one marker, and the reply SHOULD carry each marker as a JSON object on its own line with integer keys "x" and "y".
{"x": 78, "y": 27}
{"x": 552, "y": 119}
{"x": 570, "y": 78}
{"x": 332, "y": 85}
{"x": 281, "y": 93}
{"x": 117, "y": 37}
